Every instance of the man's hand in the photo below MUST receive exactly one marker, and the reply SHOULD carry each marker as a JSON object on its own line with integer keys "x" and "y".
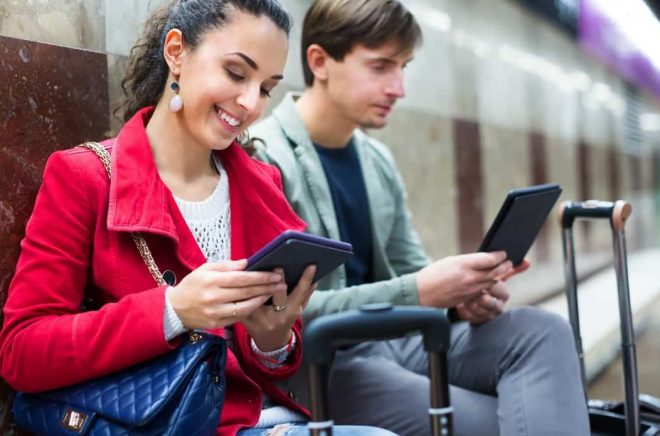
{"x": 457, "y": 279}
{"x": 524, "y": 266}
{"x": 491, "y": 303}
{"x": 486, "y": 306}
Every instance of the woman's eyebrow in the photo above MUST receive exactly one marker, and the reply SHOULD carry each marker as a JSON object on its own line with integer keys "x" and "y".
{"x": 254, "y": 65}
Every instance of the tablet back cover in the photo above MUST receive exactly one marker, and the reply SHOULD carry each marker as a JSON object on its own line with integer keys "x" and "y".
{"x": 516, "y": 230}
{"x": 294, "y": 255}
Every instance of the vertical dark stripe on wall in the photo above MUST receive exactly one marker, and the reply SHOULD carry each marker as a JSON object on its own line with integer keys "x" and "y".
{"x": 614, "y": 179}
{"x": 584, "y": 187}
{"x": 469, "y": 184}
{"x": 636, "y": 172}
{"x": 539, "y": 174}
{"x": 636, "y": 238}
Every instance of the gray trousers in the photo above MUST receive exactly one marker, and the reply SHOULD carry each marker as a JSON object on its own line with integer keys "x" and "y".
{"x": 517, "y": 373}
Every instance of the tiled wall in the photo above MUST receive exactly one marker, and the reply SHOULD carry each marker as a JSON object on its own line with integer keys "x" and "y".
{"x": 496, "y": 99}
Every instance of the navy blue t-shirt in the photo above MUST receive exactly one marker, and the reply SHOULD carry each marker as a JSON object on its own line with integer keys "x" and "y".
{"x": 349, "y": 196}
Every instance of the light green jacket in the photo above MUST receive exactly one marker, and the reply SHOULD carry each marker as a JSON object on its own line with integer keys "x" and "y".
{"x": 397, "y": 251}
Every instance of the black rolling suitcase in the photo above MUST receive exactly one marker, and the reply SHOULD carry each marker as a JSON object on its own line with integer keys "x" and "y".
{"x": 377, "y": 322}
{"x": 637, "y": 414}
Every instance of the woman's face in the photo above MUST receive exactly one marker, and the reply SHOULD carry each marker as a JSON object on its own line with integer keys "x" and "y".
{"x": 226, "y": 80}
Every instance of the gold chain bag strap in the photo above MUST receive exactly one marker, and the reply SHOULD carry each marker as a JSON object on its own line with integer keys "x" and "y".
{"x": 140, "y": 243}
{"x": 179, "y": 392}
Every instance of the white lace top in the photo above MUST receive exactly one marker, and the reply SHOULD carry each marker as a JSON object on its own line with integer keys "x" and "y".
{"x": 209, "y": 220}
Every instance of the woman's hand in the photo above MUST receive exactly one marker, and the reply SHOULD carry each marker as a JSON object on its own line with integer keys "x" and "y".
{"x": 221, "y": 293}
{"x": 270, "y": 326}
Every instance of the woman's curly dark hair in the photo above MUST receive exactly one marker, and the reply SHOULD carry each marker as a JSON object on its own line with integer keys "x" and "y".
{"x": 147, "y": 73}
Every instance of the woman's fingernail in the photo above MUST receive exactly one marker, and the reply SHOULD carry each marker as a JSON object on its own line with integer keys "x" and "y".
{"x": 281, "y": 287}
{"x": 275, "y": 278}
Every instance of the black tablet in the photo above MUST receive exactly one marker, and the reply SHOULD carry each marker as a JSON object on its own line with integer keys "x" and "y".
{"x": 519, "y": 220}
{"x": 293, "y": 251}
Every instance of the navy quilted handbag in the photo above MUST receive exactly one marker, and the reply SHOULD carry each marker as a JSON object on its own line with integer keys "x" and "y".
{"x": 179, "y": 393}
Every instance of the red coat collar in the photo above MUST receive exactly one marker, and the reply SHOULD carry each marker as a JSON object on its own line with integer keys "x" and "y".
{"x": 140, "y": 201}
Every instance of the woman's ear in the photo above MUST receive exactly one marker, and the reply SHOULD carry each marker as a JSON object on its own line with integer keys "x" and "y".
{"x": 173, "y": 50}
{"x": 317, "y": 60}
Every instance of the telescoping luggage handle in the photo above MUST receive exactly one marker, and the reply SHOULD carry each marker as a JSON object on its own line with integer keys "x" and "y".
{"x": 377, "y": 322}
{"x": 617, "y": 213}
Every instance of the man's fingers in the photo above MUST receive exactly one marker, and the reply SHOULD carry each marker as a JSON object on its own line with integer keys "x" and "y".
{"x": 499, "y": 291}
{"x": 524, "y": 266}
{"x": 486, "y": 261}
{"x": 483, "y": 307}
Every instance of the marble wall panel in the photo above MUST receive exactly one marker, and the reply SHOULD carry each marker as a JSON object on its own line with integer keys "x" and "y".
{"x": 469, "y": 183}
{"x": 429, "y": 77}
{"x": 506, "y": 165}
{"x": 562, "y": 155}
{"x": 538, "y": 164}
{"x": 54, "y": 98}
{"x": 124, "y": 21}
{"x": 601, "y": 236}
{"x": 422, "y": 147}
{"x": 79, "y": 24}
{"x": 117, "y": 66}
{"x": 614, "y": 173}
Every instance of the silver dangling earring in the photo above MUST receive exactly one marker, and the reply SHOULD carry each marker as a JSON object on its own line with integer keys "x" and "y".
{"x": 176, "y": 102}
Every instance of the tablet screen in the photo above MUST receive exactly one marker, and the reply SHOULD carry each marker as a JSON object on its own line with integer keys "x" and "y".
{"x": 519, "y": 220}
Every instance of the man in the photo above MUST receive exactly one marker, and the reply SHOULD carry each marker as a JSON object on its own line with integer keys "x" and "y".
{"x": 515, "y": 370}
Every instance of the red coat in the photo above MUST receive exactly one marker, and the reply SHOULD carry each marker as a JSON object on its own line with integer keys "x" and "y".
{"x": 78, "y": 241}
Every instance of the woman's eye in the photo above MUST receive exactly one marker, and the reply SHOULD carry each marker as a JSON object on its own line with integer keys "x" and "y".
{"x": 234, "y": 76}
{"x": 265, "y": 92}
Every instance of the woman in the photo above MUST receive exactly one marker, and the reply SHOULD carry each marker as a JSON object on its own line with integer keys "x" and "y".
{"x": 202, "y": 75}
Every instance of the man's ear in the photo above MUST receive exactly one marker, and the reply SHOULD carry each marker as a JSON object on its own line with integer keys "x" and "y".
{"x": 317, "y": 60}
{"x": 173, "y": 50}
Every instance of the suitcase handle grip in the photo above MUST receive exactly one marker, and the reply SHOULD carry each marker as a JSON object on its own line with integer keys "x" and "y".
{"x": 617, "y": 212}
{"x": 373, "y": 322}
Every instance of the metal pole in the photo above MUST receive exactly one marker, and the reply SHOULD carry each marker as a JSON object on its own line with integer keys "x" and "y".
{"x": 627, "y": 335}
{"x": 441, "y": 410}
{"x": 321, "y": 424}
{"x": 570, "y": 275}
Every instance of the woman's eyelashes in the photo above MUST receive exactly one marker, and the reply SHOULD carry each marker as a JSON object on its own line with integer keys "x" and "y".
{"x": 237, "y": 77}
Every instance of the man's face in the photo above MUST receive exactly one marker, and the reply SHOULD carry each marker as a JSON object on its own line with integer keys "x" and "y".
{"x": 367, "y": 82}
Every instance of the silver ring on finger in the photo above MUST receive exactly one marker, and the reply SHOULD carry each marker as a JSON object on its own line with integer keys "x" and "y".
{"x": 278, "y": 308}
{"x": 493, "y": 304}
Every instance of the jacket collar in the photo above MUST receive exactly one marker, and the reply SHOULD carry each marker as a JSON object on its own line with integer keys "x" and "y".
{"x": 138, "y": 196}
{"x": 286, "y": 114}
{"x": 141, "y": 202}
{"x": 288, "y": 117}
